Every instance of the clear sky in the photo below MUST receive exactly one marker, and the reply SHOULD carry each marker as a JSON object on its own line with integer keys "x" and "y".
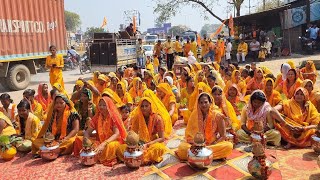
{"x": 93, "y": 11}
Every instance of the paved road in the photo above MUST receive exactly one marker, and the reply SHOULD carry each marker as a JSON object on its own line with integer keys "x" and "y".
{"x": 69, "y": 78}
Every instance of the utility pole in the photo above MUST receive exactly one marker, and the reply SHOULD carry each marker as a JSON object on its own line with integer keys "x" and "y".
{"x": 308, "y": 11}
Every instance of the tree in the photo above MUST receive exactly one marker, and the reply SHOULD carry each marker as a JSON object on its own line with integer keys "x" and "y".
{"x": 270, "y": 4}
{"x": 89, "y": 32}
{"x": 72, "y": 20}
{"x": 178, "y": 30}
{"x": 237, "y": 4}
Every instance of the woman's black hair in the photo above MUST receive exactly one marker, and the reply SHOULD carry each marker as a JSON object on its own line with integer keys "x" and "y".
{"x": 121, "y": 72}
{"x": 214, "y": 89}
{"x": 211, "y": 77}
{"x": 29, "y": 92}
{"x": 139, "y": 75}
{"x": 271, "y": 76}
{"x": 246, "y": 71}
{"x": 188, "y": 78}
{"x": 251, "y": 74}
{"x": 258, "y": 95}
{"x": 205, "y": 94}
{"x": 53, "y": 91}
{"x": 125, "y": 107}
{"x": 294, "y": 71}
{"x": 5, "y": 96}
{"x": 24, "y": 104}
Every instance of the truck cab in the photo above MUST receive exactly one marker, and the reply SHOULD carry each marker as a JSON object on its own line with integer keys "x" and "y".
{"x": 151, "y": 39}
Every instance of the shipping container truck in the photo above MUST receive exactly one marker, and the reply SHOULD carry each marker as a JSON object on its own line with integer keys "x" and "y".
{"x": 27, "y": 29}
{"x": 110, "y": 51}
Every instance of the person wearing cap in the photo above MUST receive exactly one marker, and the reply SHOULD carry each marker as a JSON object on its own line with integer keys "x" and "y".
{"x": 242, "y": 51}
{"x": 169, "y": 49}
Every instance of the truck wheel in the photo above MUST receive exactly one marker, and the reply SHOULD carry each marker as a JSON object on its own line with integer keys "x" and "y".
{"x": 18, "y": 77}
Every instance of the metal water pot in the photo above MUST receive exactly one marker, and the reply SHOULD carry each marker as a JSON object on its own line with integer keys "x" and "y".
{"x": 315, "y": 143}
{"x": 202, "y": 159}
{"x": 49, "y": 153}
{"x": 133, "y": 159}
{"x": 88, "y": 158}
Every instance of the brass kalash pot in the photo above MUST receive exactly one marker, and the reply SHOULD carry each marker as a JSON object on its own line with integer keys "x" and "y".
{"x": 198, "y": 155}
{"x": 88, "y": 156}
{"x": 315, "y": 140}
{"x": 50, "y": 150}
{"x": 259, "y": 167}
{"x": 133, "y": 156}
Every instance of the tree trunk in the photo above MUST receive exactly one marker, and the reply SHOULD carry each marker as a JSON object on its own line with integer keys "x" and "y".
{"x": 238, "y": 11}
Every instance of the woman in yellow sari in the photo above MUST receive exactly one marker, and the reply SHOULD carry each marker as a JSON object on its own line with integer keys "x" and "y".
{"x": 149, "y": 125}
{"x": 236, "y": 79}
{"x": 168, "y": 99}
{"x": 206, "y": 69}
{"x": 185, "y": 99}
{"x": 63, "y": 122}
{"x": 309, "y": 71}
{"x": 114, "y": 96}
{"x": 148, "y": 79}
{"x": 159, "y": 77}
{"x": 6, "y": 126}
{"x": 113, "y": 83}
{"x": 200, "y": 77}
{"x": 314, "y": 94}
{"x": 257, "y": 82}
{"x": 102, "y": 82}
{"x": 197, "y": 67}
{"x": 210, "y": 122}
{"x": 258, "y": 109}
{"x": 36, "y": 107}
{"x": 273, "y": 96}
{"x": 289, "y": 86}
{"x": 123, "y": 94}
{"x": 225, "y": 107}
{"x": 137, "y": 89}
{"x": 200, "y": 88}
{"x": 110, "y": 132}
{"x": 56, "y": 63}
{"x": 301, "y": 119}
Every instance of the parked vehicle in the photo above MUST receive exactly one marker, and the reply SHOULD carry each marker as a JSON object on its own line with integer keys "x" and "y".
{"x": 25, "y": 38}
{"x": 148, "y": 50}
{"x": 68, "y": 63}
{"x": 151, "y": 39}
{"x": 109, "y": 51}
{"x": 307, "y": 45}
{"x": 85, "y": 65}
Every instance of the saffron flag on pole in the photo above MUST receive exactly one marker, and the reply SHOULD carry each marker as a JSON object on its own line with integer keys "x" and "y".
{"x": 231, "y": 26}
{"x": 134, "y": 24}
{"x": 218, "y": 31}
{"x": 104, "y": 23}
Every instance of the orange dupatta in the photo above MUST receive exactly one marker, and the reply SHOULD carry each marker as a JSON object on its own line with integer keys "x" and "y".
{"x": 44, "y": 102}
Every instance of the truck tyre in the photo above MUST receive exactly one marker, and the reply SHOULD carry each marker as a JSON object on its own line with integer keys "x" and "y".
{"x": 18, "y": 77}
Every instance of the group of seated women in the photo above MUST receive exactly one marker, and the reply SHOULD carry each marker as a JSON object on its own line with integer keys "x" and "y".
{"x": 211, "y": 99}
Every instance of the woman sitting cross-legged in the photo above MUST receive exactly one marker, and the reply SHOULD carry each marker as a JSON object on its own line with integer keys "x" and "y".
{"x": 210, "y": 122}
{"x": 258, "y": 109}
{"x": 63, "y": 122}
{"x": 149, "y": 125}
{"x": 110, "y": 132}
{"x": 301, "y": 119}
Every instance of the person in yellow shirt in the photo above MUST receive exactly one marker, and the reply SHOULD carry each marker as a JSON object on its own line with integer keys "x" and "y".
{"x": 242, "y": 51}
{"x": 178, "y": 47}
{"x": 194, "y": 47}
{"x": 156, "y": 63}
{"x": 56, "y": 63}
{"x": 169, "y": 49}
{"x": 187, "y": 47}
{"x": 204, "y": 46}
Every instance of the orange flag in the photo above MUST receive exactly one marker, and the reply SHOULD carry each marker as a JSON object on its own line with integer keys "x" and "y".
{"x": 218, "y": 31}
{"x": 134, "y": 24}
{"x": 104, "y": 23}
{"x": 231, "y": 25}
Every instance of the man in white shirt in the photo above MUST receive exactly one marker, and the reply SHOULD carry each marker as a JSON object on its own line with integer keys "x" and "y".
{"x": 254, "y": 48}
{"x": 268, "y": 45}
{"x": 228, "y": 51}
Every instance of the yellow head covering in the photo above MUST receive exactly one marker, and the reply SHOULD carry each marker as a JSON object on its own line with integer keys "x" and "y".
{"x": 79, "y": 83}
{"x": 200, "y": 87}
{"x": 292, "y": 65}
{"x": 114, "y": 96}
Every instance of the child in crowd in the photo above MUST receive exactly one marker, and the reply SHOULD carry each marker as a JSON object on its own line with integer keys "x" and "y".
{"x": 125, "y": 115}
{"x": 156, "y": 64}
{"x": 262, "y": 54}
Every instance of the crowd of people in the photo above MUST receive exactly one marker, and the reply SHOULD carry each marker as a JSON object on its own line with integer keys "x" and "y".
{"x": 211, "y": 99}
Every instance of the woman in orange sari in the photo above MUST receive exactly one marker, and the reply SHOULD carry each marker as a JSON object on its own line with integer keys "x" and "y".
{"x": 43, "y": 96}
{"x": 301, "y": 119}
{"x": 110, "y": 132}
{"x": 289, "y": 86}
{"x": 168, "y": 99}
{"x": 149, "y": 125}
{"x": 211, "y": 123}
{"x": 273, "y": 96}
{"x": 225, "y": 108}
{"x": 63, "y": 122}
{"x": 314, "y": 94}
{"x": 309, "y": 71}
{"x": 123, "y": 94}
{"x": 257, "y": 82}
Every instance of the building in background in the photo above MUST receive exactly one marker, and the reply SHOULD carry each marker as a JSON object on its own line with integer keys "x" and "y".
{"x": 161, "y": 30}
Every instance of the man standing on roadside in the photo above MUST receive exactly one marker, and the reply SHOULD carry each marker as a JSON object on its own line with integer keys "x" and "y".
{"x": 178, "y": 47}
{"x": 157, "y": 49}
{"x": 140, "y": 53}
{"x": 168, "y": 47}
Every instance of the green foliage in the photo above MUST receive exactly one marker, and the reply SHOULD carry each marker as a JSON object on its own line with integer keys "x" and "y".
{"x": 178, "y": 30}
{"x": 89, "y": 32}
{"x": 4, "y": 143}
{"x": 72, "y": 20}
